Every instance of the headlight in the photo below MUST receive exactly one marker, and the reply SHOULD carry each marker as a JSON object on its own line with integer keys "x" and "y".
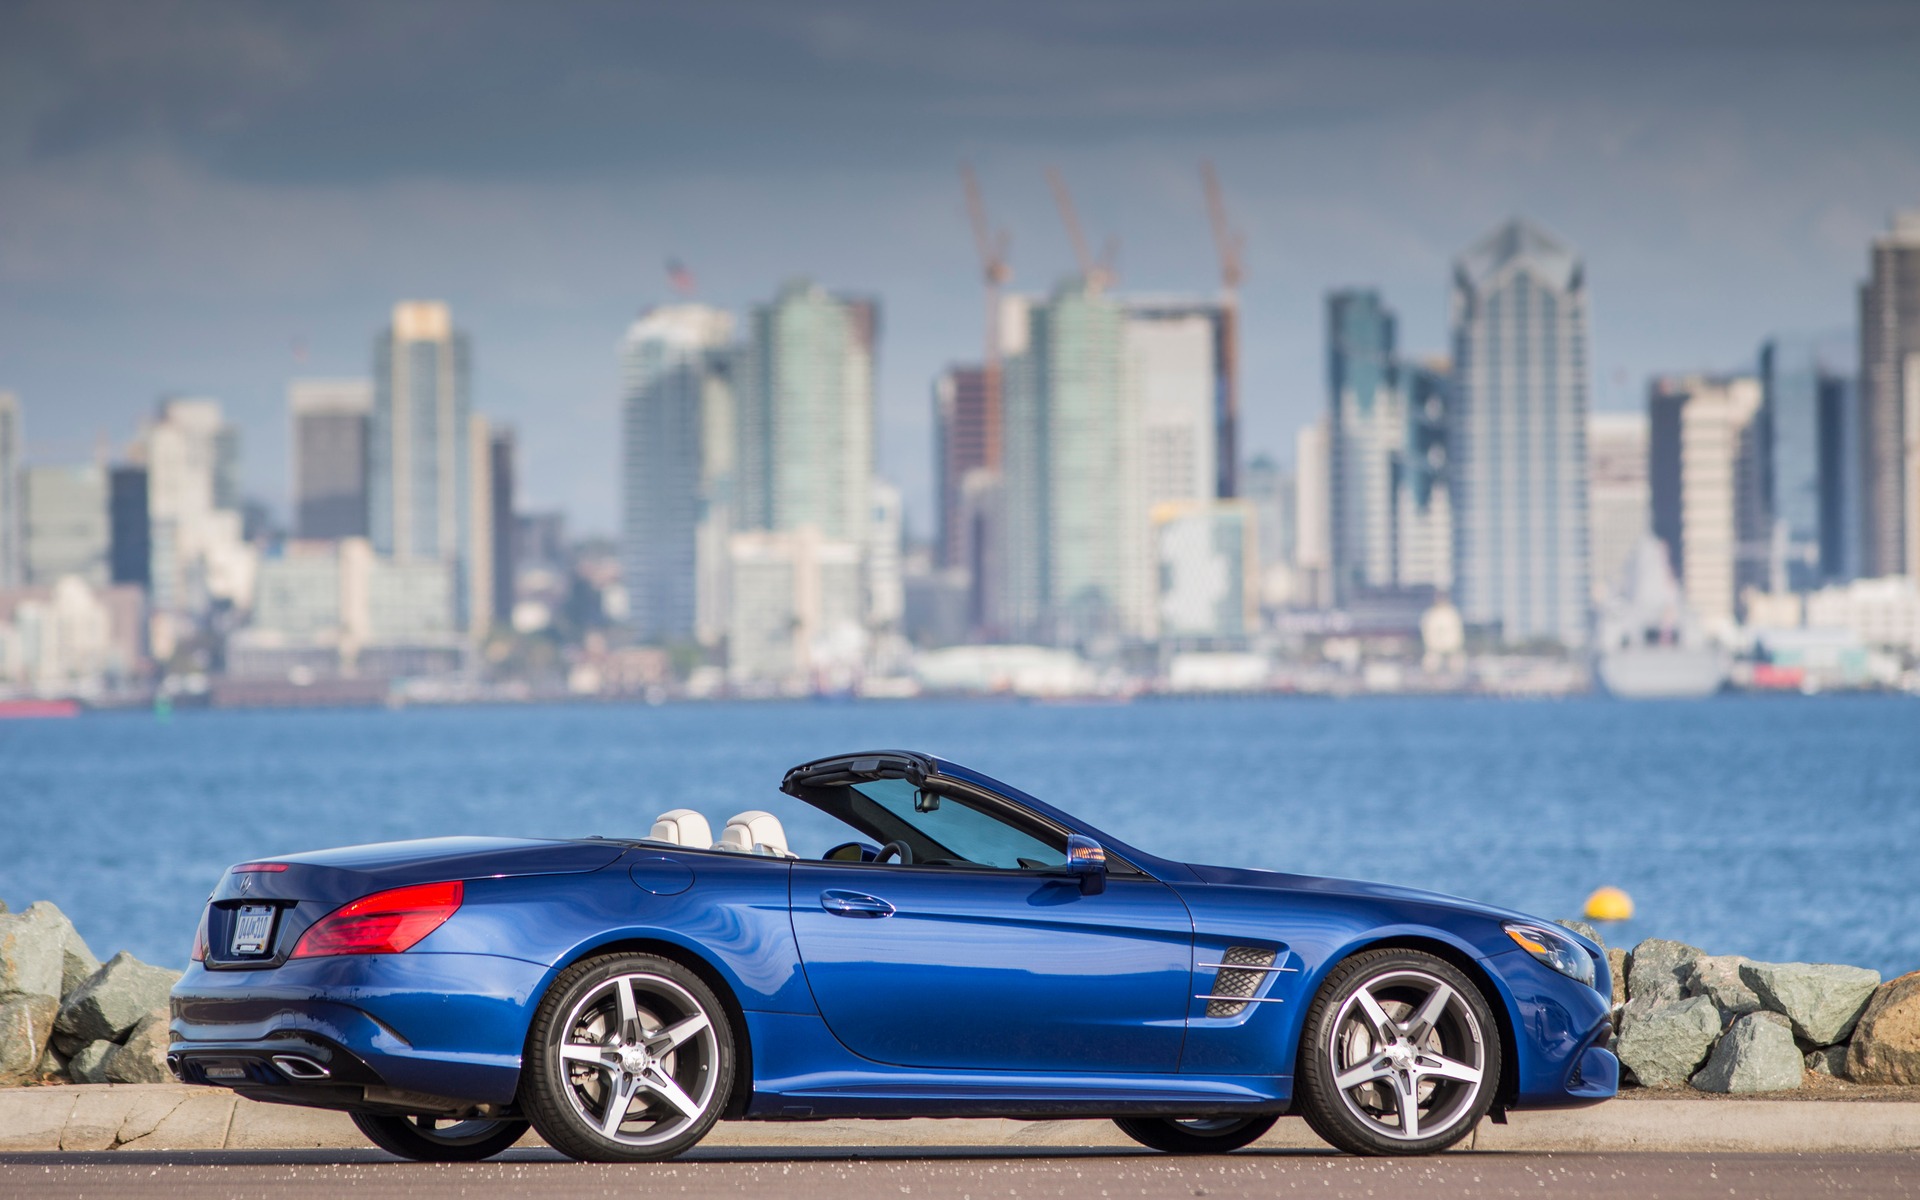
{"x": 1555, "y": 949}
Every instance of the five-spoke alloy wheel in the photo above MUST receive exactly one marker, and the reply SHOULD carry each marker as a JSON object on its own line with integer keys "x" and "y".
{"x": 1401, "y": 1055}
{"x": 630, "y": 1059}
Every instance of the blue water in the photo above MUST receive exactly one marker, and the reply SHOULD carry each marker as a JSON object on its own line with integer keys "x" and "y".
{"x": 1777, "y": 828}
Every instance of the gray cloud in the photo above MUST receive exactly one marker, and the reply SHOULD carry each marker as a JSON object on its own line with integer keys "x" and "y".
{"x": 186, "y": 188}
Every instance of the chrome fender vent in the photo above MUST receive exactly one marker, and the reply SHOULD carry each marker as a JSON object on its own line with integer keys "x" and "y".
{"x": 1237, "y": 976}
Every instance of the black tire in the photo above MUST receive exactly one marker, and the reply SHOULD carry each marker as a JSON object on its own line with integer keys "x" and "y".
{"x": 574, "y": 1094}
{"x": 1443, "y": 1051}
{"x": 426, "y": 1139}
{"x": 1195, "y": 1135}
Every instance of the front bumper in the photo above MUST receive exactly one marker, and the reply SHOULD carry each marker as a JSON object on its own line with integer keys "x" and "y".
{"x": 441, "y": 1032}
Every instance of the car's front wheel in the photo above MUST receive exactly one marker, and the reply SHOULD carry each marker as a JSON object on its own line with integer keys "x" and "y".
{"x": 629, "y": 1059}
{"x": 1195, "y": 1135}
{"x": 1400, "y": 1055}
{"x": 429, "y": 1139}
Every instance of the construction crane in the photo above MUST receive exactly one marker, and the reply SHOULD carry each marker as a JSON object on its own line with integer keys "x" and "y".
{"x": 996, "y": 270}
{"x": 1099, "y": 273}
{"x": 1229, "y": 244}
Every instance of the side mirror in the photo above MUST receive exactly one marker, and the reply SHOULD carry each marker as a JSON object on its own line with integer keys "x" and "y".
{"x": 1087, "y": 862}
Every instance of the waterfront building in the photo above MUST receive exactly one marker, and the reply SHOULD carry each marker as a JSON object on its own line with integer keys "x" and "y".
{"x": 1313, "y": 519}
{"x": 1076, "y": 562}
{"x": 65, "y": 525}
{"x": 421, "y": 447}
{"x": 330, "y": 420}
{"x": 1172, "y": 350}
{"x": 669, "y": 360}
{"x": 503, "y": 476}
{"x": 1883, "y": 612}
{"x": 335, "y": 607}
{"x": 197, "y": 554}
{"x": 1618, "y": 502}
{"x": 1206, "y": 551}
{"x": 1366, "y": 421}
{"x": 805, "y": 418}
{"x": 130, "y": 552}
{"x": 1706, "y": 458}
{"x": 796, "y": 607}
{"x": 1422, "y": 530}
{"x": 478, "y": 580}
{"x": 886, "y": 598}
{"x": 69, "y": 638}
{"x": 12, "y": 569}
{"x": 1840, "y": 519}
{"x": 1270, "y": 493}
{"x": 1518, "y": 436}
{"x": 960, "y": 421}
{"x": 1890, "y": 401}
{"x": 1802, "y": 393}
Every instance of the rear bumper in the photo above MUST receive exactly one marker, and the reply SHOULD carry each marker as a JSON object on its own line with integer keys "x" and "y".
{"x": 353, "y": 1031}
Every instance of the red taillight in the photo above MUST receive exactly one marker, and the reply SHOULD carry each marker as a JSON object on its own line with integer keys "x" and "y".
{"x": 200, "y": 939}
{"x": 383, "y": 923}
{"x": 249, "y": 868}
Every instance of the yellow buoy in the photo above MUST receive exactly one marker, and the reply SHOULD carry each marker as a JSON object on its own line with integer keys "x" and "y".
{"x": 1609, "y": 904}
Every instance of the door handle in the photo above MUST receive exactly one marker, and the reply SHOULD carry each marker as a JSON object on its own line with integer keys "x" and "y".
{"x": 842, "y": 903}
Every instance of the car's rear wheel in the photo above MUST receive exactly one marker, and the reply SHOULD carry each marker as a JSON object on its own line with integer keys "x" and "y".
{"x": 629, "y": 1059}
{"x": 1401, "y": 1055}
{"x": 1195, "y": 1135}
{"x": 432, "y": 1139}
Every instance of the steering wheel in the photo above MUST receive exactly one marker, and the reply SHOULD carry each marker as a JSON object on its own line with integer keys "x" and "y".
{"x": 895, "y": 849}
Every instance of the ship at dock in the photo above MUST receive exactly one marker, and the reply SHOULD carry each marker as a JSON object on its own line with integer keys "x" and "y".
{"x": 1651, "y": 646}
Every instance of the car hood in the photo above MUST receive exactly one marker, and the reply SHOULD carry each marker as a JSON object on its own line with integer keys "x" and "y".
{"x": 1358, "y": 889}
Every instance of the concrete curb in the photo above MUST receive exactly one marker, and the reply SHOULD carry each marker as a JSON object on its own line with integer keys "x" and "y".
{"x": 176, "y": 1117}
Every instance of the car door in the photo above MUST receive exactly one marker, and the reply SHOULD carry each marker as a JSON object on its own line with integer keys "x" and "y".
{"x": 951, "y": 966}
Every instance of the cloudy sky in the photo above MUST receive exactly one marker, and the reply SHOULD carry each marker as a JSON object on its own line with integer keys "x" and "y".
{"x": 214, "y": 197}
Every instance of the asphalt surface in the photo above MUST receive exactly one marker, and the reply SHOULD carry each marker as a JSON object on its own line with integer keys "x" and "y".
{"x": 958, "y": 1174}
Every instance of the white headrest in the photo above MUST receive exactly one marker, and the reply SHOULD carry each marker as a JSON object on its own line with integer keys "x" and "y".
{"x": 754, "y": 832}
{"x": 682, "y": 827}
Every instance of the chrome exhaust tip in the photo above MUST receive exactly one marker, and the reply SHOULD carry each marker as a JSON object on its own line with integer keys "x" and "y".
{"x": 300, "y": 1067}
{"x": 173, "y": 1065}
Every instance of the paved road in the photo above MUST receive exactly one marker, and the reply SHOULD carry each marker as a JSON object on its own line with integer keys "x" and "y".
{"x": 958, "y": 1174}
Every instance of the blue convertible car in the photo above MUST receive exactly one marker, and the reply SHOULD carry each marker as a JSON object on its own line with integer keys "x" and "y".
{"x": 970, "y": 951}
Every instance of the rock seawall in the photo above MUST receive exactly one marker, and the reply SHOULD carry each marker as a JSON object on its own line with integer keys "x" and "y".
{"x": 1725, "y": 1023}
{"x": 67, "y": 1018}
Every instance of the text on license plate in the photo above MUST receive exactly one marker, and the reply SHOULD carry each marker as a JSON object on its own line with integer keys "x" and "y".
{"x": 253, "y": 928}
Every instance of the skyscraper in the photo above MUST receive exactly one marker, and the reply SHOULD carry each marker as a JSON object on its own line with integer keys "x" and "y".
{"x": 1707, "y": 457}
{"x": 1840, "y": 524}
{"x": 667, "y": 359}
{"x": 1798, "y": 380}
{"x": 1618, "y": 499}
{"x": 420, "y": 453}
{"x": 1366, "y": 426}
{"x": 1077, "y": 538}
{"x": 10, "y": 439}
{"x": 1890, "y": 401}
{"x": 129, "y": 527}
{"x": 66, "y": 528}
{"x": 960, "y": 448}
{"x": 1518, "y": 436}
{"x": 1172, "y": 352}
{"x": 330, "y": 418}
{"x": 1313, "y": 517}
{"x": 500, "y": 501}
{"x": 806, "y": 414}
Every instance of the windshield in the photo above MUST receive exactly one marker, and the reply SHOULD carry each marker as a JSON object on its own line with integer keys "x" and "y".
{"x": 947, "y": 830}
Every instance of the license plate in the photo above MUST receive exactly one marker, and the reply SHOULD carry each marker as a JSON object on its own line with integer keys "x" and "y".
{"x": 253, "y": 929}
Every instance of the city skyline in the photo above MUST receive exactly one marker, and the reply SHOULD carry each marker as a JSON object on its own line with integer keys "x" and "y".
{"x": 201, "y": 228}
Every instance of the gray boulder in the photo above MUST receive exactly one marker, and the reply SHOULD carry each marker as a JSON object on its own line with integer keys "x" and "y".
{"x": 1823, "y": 1000}
{"x": 1757, "y": 1055}
{"x": 32, "y": 949}
{"x": 1830, "y": 1061}
{"x": 90, "y": 1065}
{"x": 1717, "y": 977}
{"x": 77, "y": 962}
{"x": 143, "y": 1057}
{"x": 115, "y": 999}
{"x": 1617, "y": 967}
{"x": 1655, "y": 970}
{"x": 1663, "y": 1043}
{"x": 25, "y": 1023}
{"x": 1584, "y": 930}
